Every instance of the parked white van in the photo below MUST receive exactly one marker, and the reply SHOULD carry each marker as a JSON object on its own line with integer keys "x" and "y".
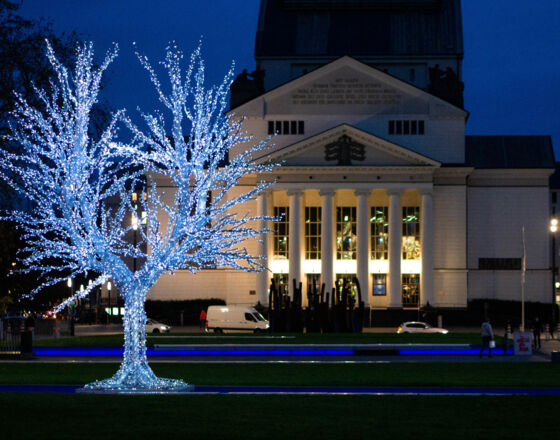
{"x": 235, "y": 318}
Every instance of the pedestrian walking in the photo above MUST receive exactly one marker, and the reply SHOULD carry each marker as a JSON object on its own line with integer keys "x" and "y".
{"x": 487, "y": 337}
{"x": 537, "y": 329}
{"x": 203, "y": 320}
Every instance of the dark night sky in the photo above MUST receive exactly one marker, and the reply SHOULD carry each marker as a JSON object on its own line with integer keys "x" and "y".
{"x": 510, "y": 70}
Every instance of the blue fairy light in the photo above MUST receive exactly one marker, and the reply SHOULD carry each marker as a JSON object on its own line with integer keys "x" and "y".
{"x": 83, "y": 191}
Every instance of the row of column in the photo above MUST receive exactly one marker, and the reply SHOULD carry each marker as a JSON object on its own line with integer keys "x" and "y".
{"x": 362, "y": 244}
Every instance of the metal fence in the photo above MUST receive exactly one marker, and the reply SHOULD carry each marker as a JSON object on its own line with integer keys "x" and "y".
{"x": 10, "y": 336}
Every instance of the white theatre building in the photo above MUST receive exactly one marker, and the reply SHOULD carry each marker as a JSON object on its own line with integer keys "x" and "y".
{"x": 378, "y": 180}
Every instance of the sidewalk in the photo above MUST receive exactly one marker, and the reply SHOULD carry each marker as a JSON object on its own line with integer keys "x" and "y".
{"x": 547, "y": 347}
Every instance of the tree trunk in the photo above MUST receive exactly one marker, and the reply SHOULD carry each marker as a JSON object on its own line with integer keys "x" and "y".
{"x": 134, "y": 373}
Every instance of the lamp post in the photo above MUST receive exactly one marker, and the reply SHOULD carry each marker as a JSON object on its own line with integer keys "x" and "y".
{"x": 70, "y": 285}
{"x": 108, "y": 300}
{"x": 553, "y": 230}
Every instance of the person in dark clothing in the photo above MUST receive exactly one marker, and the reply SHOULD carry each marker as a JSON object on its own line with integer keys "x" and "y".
{"x": 537, "y": 329}
{"x": 487, "y": 336}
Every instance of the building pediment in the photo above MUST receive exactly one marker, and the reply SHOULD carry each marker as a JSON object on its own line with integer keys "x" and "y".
{"x": 345, "y": 145}
{"x": 347, "y": 86}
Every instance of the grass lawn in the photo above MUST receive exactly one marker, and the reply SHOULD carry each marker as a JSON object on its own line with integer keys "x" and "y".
{"x": 55, "y": 416}
{"x": 311, "y": 338}
{"x": 278, "y": 417}
{"x": 461, "y": 374}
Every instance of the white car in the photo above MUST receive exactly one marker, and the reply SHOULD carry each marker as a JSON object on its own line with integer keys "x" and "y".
{"x": 419, "y": 327}
{"x": 156, "y": 327}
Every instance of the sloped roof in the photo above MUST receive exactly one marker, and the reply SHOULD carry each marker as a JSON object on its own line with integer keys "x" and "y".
{"x": 359, "y": 27}
{"x": 509, "y": 152}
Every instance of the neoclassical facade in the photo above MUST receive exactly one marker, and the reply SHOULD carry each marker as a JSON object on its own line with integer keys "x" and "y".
{"x": 377, "y": 179}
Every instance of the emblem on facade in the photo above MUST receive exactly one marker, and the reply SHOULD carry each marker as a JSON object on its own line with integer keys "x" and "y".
{"x": 345, "y": 150}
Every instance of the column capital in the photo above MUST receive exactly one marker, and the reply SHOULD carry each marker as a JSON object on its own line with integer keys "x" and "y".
{"x": 394, "y": 192}
{"x": 362, "y": 192}
{"x": 327, "y": 192}
{"x": 295, "y": 192}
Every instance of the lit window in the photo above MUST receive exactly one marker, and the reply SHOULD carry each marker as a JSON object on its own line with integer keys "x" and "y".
{"x": 379, "y": 284}
{"x": 281, "y": 231}
{"x": 411, "y": 233}
{"x": 281, "y": 283}
{"x": 312, "y": 232}
{"x": 410, "y": 290}
{"x": 379, "y": 221}
{"x": 346, "y": 233}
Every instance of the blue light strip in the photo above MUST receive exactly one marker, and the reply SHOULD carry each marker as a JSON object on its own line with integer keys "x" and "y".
{"x": 118, "y": 351}
{"x": 463, "y": 351}
{"x": 78, "y": 351}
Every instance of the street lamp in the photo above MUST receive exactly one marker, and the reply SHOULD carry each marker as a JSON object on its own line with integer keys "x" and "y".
{"x": 70, "y": 285}
{"x": 108, "y": 300}
{"x": 553, "y": 230}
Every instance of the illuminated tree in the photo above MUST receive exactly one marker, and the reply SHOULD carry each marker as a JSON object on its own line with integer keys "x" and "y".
{"x": 82, "y": 192}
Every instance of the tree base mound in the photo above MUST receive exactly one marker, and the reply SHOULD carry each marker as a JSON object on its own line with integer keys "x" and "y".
{"x": 137, "y": 379}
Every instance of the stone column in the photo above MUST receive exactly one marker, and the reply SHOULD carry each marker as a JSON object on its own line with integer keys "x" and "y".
{"x": 327, "y": 239}
{"x": 295, "y": 239}
{"x": 395, "y": 248}
{"x": 427, "y": 241}
{"x": 362, "y": 244}
{"x": 263, "y": 277}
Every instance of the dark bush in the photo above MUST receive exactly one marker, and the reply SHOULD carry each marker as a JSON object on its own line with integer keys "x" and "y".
{"x": 500, "y": 313}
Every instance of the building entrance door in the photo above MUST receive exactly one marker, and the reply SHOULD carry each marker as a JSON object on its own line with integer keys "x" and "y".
{"x": 313, "y": 278}
{"x": 410, "y": 289}
{"x": 345, "y": 281}
{"x": 281, "y": 281}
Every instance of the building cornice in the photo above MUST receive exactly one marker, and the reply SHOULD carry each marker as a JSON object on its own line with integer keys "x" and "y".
{"x": 453, "y": 172}
{"x": 371, "y": 170}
